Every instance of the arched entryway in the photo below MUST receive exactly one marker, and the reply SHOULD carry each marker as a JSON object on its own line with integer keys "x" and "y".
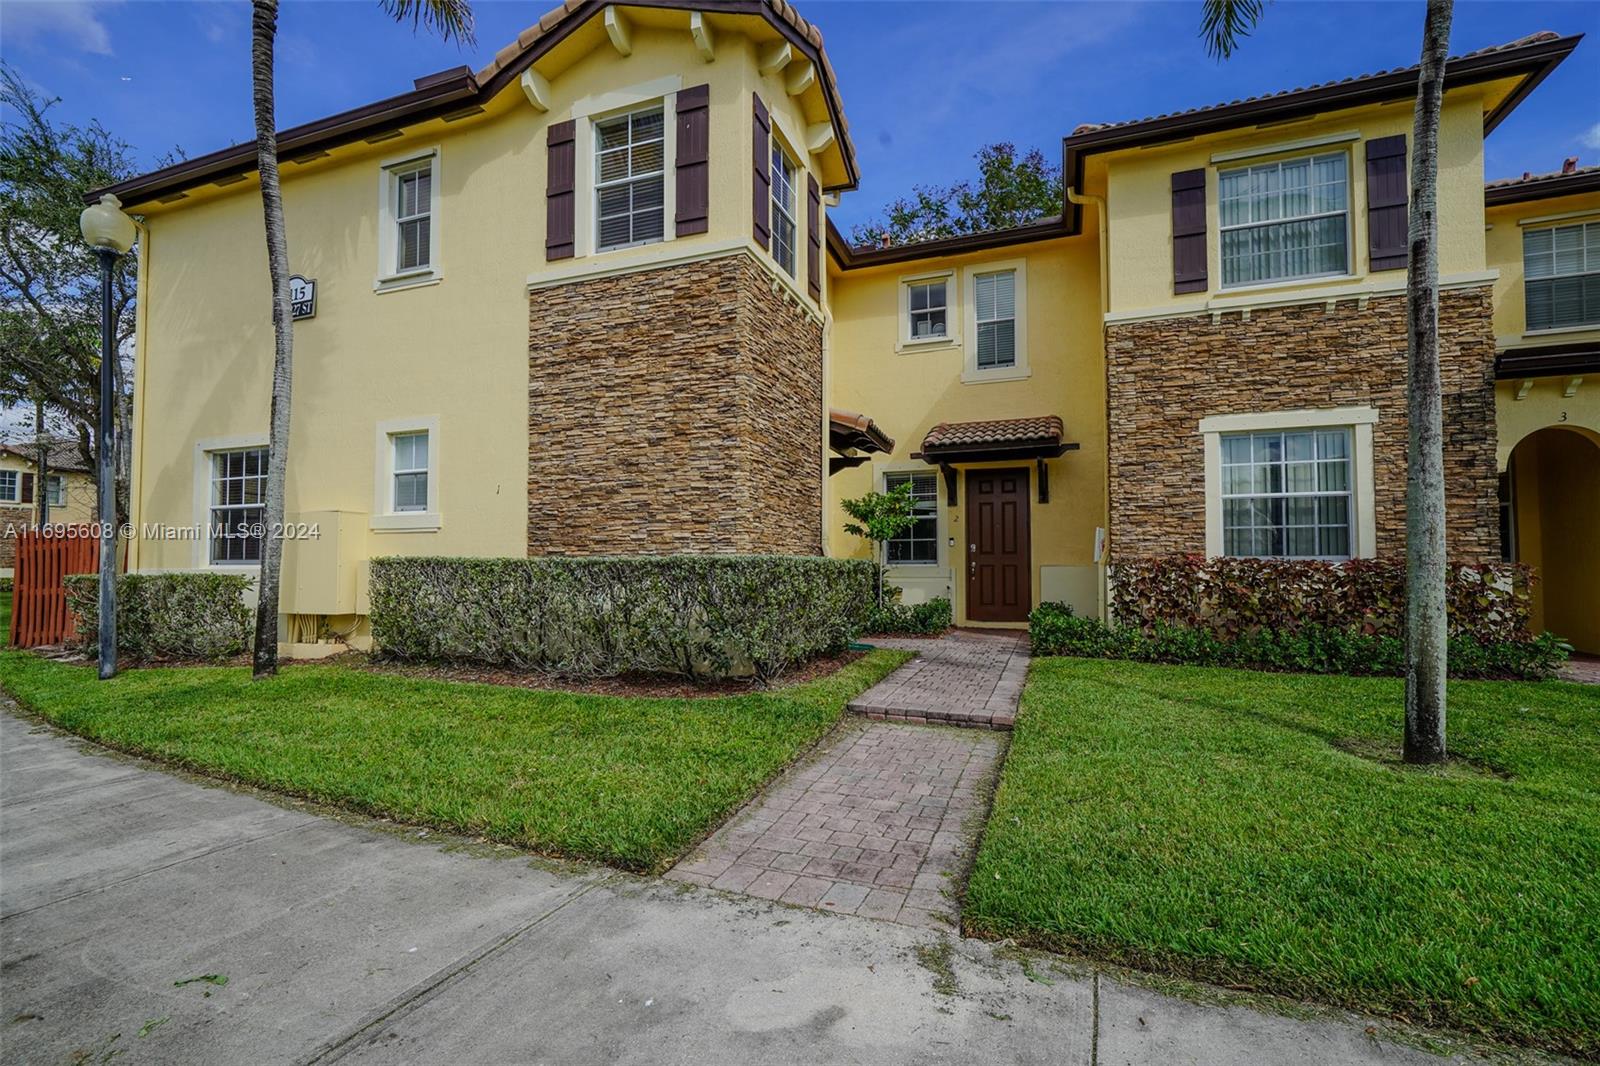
{"x": 1550, "y": 519}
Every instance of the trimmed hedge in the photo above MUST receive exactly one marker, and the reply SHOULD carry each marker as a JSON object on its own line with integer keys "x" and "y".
{"x": 191, "y": 616}
{"x": 923, "y": 620}
{"x": 1313, "y": 647}
{"x": 702, "y": 616}
{"x": 1489, "y": 602}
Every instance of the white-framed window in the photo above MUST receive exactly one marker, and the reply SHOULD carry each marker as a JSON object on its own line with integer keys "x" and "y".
{"x": 409, "y": 466}
{"x": 10, "y": 486}
{"x": 56, "y": 490}
{"x": 1285, "y": 220}
{"x": 783, "y": 208}
{"x": 408, "y": 234}
{"x": 630, "y": 178}
{"x": 238, "y": 505}
{"x": 1290, "y": 484}
{"x": 928, "y": 309}
{"x": 1561, "y": 272}
{"x": 918, "y": 545}
{"x": 994, "y": 298}
{"x": 406, "y": 486}
{"x": 1288, "y": 493}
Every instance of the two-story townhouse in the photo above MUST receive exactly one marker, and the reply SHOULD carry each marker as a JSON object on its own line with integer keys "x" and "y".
{"x": 587, "y": 300}
{"x": 67, "y": 490}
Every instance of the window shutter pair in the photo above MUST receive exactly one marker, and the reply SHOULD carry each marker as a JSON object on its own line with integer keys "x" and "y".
{"x": 1189, "y": 231}
{"x": 27, "y": 489}
{"x": 1387, "y": 211}
{"x": 761, "y": 200}
{"x": 692, "y": 173}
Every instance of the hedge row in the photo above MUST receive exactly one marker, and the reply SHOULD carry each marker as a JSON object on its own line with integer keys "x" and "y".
{"x": 1489, "y": 603}
{"x": 190, "y": 616}
{"x": 702, "y": 616}
{"x": 1310, "y": 647}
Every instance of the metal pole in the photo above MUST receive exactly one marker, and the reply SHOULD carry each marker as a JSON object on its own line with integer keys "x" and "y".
{"x": 106, "y": 485}
{"x": 44, "y": 463}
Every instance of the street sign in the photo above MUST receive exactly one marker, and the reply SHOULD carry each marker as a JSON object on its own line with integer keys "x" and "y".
{"x": 302, "y": 296}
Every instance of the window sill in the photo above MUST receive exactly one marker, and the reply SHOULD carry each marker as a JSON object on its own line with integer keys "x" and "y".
{"x": 979, "y": 377}
{"x": 1288, "y": 283}
{"x": 929, "y": 344}
{"x": 406, "y": 522}
{"x": 412, "y": 280}
{"x": 1554, "y": 331}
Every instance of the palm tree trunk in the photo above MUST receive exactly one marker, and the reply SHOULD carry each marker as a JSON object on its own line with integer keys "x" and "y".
{"x": 263, "y": 29}
{"x": 1426, "y": 624}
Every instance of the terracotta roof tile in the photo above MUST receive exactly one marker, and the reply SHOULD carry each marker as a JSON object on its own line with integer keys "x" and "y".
{"x": 1529, "y": 179}
{"x": 1521, "y": 42}
{"x": 1046, "y": 430}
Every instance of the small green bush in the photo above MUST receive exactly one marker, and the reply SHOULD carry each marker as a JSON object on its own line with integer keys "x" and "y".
{"x": 195, "y": 617}
{"x": 701, "y": 616}
{"x": 1312, "y": 648}
{"x": 923, "y": 620}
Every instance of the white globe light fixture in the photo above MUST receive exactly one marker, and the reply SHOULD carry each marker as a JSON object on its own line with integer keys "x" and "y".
{"x": 106, "y": 227}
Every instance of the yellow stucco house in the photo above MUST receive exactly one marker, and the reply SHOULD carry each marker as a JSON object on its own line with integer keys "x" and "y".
{"x": 67, "y": 490}
{"x": 587, "y": 299}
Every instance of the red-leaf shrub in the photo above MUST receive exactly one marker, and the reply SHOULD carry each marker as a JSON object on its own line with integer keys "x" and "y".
{"x": 1488, "y": 602}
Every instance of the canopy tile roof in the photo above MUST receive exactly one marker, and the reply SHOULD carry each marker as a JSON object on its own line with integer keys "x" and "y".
{"x": 948, "y": 436}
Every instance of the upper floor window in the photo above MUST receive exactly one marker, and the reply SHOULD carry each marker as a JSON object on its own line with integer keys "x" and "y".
{"x": 783, "y": 213}
{"x": 238, "y": 504}
{"x": 994, "y": 298}
{"x": 1285, "y": 220}
{"x": 630, "y": 178}
{"x": 1561, "y": 265}
{"x": 1287, "y": 493}
{"x": 920, "y": 543}
{"x": 410, "y": 471}
{"x": 10, "y": 486}
{"x": 927, "y": 309}
{"x": 413, "y": 216}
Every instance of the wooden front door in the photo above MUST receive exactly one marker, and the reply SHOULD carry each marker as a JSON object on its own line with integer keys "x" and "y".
{"x": 999, "y": 561}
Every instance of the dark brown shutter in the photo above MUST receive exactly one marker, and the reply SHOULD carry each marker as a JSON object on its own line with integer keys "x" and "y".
{"x": 813, "y": 238}
{"x": 693, "y": 174}
{"x": 27, "y": 489}
{"x": 1189, "y": 231}
{"x": 560, "y": 181}
{"x": 1387, "y": 186}
{"x": 761, "y": 202}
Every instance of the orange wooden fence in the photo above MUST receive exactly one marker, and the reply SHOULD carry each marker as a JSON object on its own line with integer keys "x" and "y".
{"x": 39, "y": 612}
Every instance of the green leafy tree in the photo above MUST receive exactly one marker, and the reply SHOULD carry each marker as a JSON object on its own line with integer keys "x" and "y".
{"x": 1012, "y": 190}
{"x": 879, "y": 517}
{"x": 1224, "y": 23}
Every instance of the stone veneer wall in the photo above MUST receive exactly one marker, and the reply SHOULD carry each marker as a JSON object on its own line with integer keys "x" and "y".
{"x": 1165, "y": 375}
{"x": 13, "y": 519}
{"x": 674, "y": 410}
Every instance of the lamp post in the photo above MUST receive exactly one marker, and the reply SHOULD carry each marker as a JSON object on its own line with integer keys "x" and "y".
{"x": 110, "y": 233}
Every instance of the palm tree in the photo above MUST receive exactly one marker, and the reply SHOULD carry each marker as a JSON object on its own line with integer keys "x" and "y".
{"x": 451, "y": 19}
{"x": 1227, "y": 21}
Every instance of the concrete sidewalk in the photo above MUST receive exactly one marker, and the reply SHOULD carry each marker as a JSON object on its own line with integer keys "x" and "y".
{"x": 120, "y": 884}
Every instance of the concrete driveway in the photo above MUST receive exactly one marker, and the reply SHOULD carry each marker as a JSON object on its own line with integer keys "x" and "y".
{"x": 121, "y": 884}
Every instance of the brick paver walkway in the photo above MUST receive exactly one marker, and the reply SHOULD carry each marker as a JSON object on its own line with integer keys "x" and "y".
{"x": 880, "y": 822}
{"x": 1584, "y": 669}
{"x": 967, "y": 678}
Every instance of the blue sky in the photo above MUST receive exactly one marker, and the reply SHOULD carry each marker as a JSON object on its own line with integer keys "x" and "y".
{"x": 925, "y": 83}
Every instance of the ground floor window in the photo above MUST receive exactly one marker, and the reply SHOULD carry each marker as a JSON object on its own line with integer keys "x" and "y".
{"x": 1287, "y": 493}
{"x": 10, "y": 486}
{"x": 1508, "y": 518}
{"x": 410, "y": 471}
{"x": 920, "y": 543}
{"x": 238, "y": 504}
{"x": 55, "y": 488}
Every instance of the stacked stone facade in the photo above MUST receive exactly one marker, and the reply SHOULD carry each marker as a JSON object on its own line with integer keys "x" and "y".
{"x": 13, "y": 519}
{"x": 1165, "y": 375}
{"x": 674, "y": 410}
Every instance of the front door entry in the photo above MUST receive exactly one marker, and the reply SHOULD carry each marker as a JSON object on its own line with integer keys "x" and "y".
{"x": 999, "y": 560}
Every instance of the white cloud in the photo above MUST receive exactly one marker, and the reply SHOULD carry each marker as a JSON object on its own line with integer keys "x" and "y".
{"x": 76, "y": 22}
{"x": 1590, "y": 138}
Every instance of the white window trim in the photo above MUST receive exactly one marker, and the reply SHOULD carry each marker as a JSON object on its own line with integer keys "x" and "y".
{"x": 969, "y": 317}
{"x": 202, "y": 498}
{"x": 1351, "y": 269}
{"x": 17, "y": 498}
{"x": 1359, "y": 420}
{"x": 797, "y": 218}
{"x": 388, "y": 278}
{"x": 940, "y": 567}
{"x": 1526, "y": 280}
{"x": 591, "y": 109}
{"x": 384, "y": 518}
{"x": 953, "y": 313}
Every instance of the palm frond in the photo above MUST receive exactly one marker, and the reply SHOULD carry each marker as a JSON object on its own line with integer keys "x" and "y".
{"x": 450, "y": 19}
{"x": 1226, "y": 22}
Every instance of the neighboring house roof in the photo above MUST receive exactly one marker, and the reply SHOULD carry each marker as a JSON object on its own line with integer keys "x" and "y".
{"x": 847, "y": 429}
{"x": 1532, "y": 58}
{"x": 1564, "y": 182}
{"x": 1015, "y": 438}
{"x": 1551, "y": 360}
{"x": 459, "y": 93}
{"x": 63, "y": 456}
{"x": 854, "y": 257}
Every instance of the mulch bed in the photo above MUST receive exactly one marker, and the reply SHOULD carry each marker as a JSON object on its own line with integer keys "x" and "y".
{"x": 651, "y": 686}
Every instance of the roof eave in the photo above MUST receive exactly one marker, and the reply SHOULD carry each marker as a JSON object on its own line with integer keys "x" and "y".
{"x": 856, "y": 258}
{"x": 1546, "y": 188}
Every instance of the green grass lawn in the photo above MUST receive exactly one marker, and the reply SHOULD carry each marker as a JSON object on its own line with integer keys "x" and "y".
{"x": 630, "y": 782}
{"x": 1257, "y": 830}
